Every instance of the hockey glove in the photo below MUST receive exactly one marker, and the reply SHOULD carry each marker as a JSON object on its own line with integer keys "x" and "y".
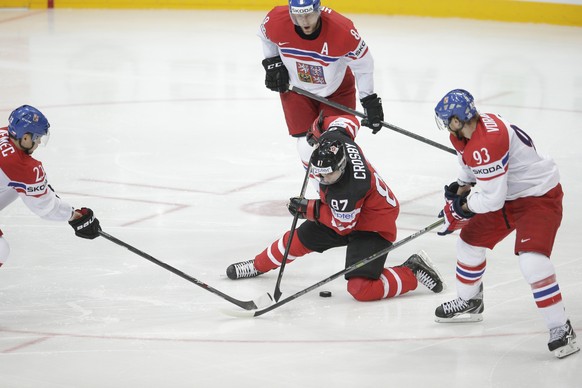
{"x": 451, "y": 191}
{"x": 304, "y": 208}
{"x": 455, "y": 217}
{"x": 277, "y": 77}
{"x": 315, "y": 131}
{"x": 374, "y": 113}
{"x": 86, "y": 226}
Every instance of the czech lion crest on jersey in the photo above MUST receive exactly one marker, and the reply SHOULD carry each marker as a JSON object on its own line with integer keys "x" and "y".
{"x": 312, "y": 74}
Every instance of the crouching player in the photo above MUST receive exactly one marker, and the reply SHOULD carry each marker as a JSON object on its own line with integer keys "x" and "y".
{"x": 356, "y": 209}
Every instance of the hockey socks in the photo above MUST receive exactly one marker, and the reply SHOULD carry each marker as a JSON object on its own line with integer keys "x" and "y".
{"x": 394, "y": 281}
{"x": 272, "y": 256}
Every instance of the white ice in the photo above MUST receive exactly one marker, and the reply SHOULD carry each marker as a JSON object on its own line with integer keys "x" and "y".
{"x": 160, "y": 123}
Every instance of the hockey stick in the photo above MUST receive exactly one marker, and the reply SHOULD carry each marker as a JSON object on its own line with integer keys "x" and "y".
{"x": 352, "y": 267}
{"x": 361, "y": 115}
{"x": 247, "y": 305}
{"x": 277, "y": 292}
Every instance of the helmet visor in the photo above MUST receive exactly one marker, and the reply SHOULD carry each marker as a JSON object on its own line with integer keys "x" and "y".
{"x": 40, "y": 139}
{"x": 304, "y": 16}
{"x": 329, "y": 178}
{"x": 326, "y": 175}
{"x": 442, "y": 124}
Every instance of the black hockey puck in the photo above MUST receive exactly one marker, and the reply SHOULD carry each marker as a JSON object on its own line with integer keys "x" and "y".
{"x": 325, "y": 294}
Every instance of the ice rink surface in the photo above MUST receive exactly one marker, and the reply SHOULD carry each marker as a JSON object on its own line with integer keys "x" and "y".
{"x": 160, "y": 123}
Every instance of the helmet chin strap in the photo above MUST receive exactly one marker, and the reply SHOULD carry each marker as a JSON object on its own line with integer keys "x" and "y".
{"x": 25, "y": 149}
{"x": 458, "y": 131}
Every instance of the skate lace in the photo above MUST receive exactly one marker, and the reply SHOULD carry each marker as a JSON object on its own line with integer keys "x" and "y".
{"x": 455, "y": 306}
{"x": 426, "y": 279}
{"x": 245, "y": 269}
{"x": 559, "y": 332}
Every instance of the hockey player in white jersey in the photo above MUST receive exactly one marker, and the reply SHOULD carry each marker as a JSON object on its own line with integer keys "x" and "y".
{"x": 504, "y": 185}
{"x": 23, "y": 176}
{"x": 317, "y": 49}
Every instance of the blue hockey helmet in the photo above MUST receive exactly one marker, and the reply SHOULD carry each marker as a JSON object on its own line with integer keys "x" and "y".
{"x": 302, "y": 7}
{"x": 306, "y": 9}
{"x": 457, "y": 103}
{"x": 328, "y": 161}
{"x": 27, "y": 119}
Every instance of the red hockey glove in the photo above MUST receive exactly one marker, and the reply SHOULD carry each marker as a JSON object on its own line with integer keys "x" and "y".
{"x": 315, "y": 131}
{"x": 455, "y": 217}
{"x": 86, "y": 226}
{"x": 304, "y": 208}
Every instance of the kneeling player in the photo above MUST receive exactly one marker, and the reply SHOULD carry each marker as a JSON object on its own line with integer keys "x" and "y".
{"x": 356, "y": 209}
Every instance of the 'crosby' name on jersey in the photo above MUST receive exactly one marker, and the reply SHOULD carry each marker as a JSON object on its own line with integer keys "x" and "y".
{"x": 360, "y": 199}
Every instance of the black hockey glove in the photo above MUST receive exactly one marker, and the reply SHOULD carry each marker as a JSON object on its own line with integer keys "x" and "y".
{"x": 277, "y": 77}
{"x": 304, "y": 208}
{"x": 451, "y": 191}
{"x": 374, "y": 114}
{"x": 86, "y": 226}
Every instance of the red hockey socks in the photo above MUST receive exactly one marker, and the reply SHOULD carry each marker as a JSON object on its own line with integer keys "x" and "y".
{"x": 394, "y": 281}
{"x": 272, "y": 257}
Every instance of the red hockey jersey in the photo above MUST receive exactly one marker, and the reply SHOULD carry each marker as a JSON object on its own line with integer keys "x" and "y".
{"x": 22, "y": 175}
{"x": 360, "y": 199}
{"x": 319, "y": 65}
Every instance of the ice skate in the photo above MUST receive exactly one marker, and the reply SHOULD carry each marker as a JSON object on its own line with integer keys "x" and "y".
{"x": 563, "y": 340}
{"x": 244, "y": 269}
{"x": 460, "y": 310}
{"x": 425, "y": 272}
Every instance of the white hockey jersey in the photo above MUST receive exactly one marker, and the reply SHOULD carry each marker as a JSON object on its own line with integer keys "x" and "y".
{"x": 23, "y": 176}
{"x": 502, "y": 159}
{"x": 319, "y": 65}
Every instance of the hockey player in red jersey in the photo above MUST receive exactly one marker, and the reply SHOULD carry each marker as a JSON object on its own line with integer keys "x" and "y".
{"x": 316, "y": 49}
{"x": 23, "y": 176}
{"x": 504, "y": 185}
{"x": 356, "y": 209}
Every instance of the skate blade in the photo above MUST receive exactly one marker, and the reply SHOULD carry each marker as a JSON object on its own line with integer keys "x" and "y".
{"x": 462, "y": 318}
{"x": 566, "y": 350}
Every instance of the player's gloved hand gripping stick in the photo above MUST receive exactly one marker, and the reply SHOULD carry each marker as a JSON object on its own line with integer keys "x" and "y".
{"x": 87, "y": 225}
{"x": 454, "y": 216}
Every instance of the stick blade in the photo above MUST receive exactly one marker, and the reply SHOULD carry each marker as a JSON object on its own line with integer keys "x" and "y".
{"x": 261, "y": 302}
